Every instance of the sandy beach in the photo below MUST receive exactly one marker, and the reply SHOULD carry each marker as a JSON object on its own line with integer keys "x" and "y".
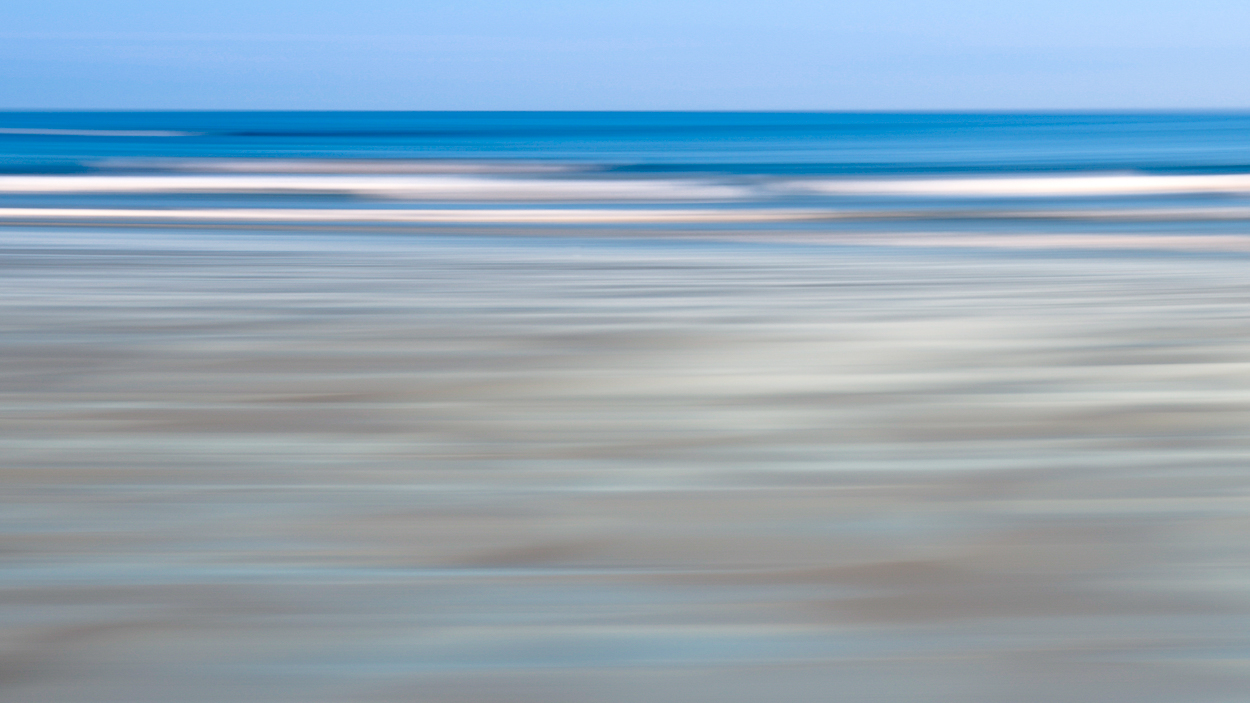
{"x": 450, "y": 469}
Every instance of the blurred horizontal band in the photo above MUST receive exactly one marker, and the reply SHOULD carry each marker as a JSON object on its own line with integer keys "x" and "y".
{"x": 605, "y": 215}
{"x": 485, "y": 216}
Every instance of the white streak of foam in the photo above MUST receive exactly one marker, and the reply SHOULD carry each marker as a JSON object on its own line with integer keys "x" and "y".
{"x": 384, "y": 186}
{"x": 1100, "y": 185}
{"x": 477, "y": 216}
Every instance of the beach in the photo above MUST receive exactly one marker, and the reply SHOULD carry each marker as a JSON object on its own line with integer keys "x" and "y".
{"x": 491, "y": 465}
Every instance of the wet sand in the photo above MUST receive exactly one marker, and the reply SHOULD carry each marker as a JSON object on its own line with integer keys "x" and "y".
{"x": 310, "y": 467}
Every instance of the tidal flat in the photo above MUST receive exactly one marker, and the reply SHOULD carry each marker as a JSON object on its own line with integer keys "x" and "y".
{"x": 471, "y": 468}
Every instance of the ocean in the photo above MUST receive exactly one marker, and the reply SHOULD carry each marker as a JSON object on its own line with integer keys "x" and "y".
{"x": 610, "y": 407}
{"x": 825, "y": 173}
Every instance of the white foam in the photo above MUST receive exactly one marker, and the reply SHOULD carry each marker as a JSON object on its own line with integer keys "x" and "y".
{"x": 422, "y": 216}
{"x": 1049, "y": 186}
{"x": 384, "y": 186}
{"x": 604, "y": 215}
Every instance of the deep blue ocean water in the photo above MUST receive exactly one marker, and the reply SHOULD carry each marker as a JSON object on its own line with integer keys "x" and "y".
{"x": 730, "y": 142}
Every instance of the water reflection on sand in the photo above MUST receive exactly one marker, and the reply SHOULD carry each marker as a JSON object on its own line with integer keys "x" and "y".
{"x": 290, "y": 467}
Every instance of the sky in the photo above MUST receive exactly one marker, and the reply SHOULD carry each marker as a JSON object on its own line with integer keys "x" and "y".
{"x": 625, "y": 55}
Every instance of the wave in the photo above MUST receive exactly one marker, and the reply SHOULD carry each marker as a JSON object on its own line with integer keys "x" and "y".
{"x": 609, "y": 215}
{"x": 1049, "y": 186}
{"x": 472, "y": 180}
{"x": 383, "y": 186}
{"x": 422, "y": 216}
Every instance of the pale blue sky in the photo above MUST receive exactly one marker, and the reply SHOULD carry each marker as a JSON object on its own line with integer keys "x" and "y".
{"x": 611, "y": 54}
